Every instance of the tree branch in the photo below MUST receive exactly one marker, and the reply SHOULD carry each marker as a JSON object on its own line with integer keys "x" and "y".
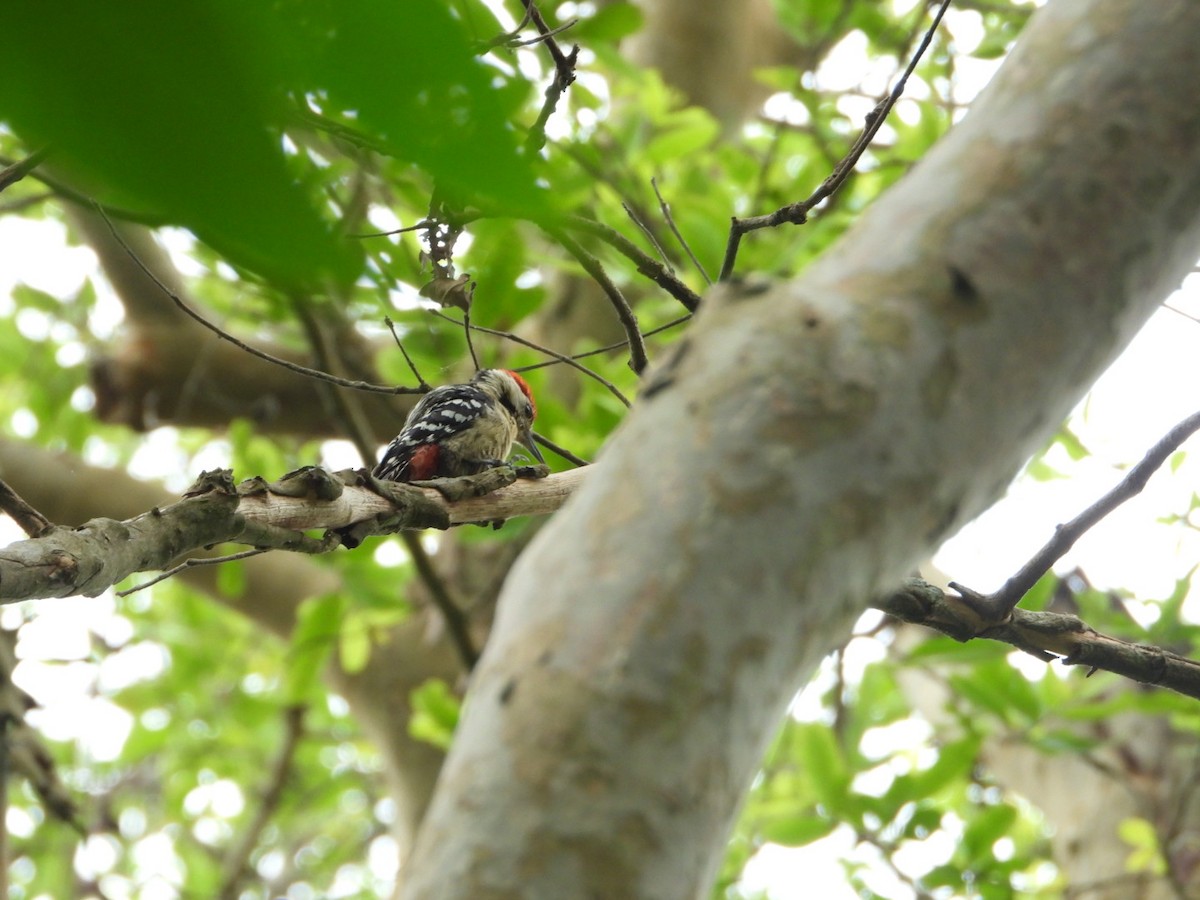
{"x": 32, "y": 522}
{"x": 797, "y": 213}
{"x": 237, "y": 860}
{"x": 646, "y": 264}
{"x": 591, "y": 265}
{"x": 1046, "y": 635}
{"x": 13, "y": 173}
{"x": 996, "y": 606}
{"x": 92, "y": 558}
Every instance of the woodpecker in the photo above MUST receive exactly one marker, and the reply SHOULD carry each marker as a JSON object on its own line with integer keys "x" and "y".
{"x": 462, "y": 429}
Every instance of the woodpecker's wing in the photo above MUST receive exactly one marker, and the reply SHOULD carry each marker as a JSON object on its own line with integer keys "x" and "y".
{"x": 439, "y": 415}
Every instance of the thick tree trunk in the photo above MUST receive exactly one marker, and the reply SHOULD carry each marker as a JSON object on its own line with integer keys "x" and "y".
{"x": 801, "y": 448}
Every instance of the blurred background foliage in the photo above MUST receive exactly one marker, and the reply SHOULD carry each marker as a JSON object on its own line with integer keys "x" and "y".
{"x": 272, "y": 146}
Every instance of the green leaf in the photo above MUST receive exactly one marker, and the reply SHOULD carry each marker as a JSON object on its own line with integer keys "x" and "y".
{"x": 954, "y": 762}
{"x": 610, "y": 23}
{"x": 688, "y": 131}
{"x": 797, "y": 831}
{"x": 1001, "y": 690}
{"x": 407, "y": 73}
{"x": 354, "y": 643}
{"x": 141, "y": 117}
{"x": 177, "y": 113}
{"x": 1039, "y": 470}
{"x": 318, "y": 625}
{"x": 985, "y": 829}
{"x": 824, "y": 764}
{"x": 231, "y": 578}
{"x": 435, "y": 711}
{"x": 943, "y": 649}
{"x": 878, "y": 697}
{"x": 1147, "y": 853}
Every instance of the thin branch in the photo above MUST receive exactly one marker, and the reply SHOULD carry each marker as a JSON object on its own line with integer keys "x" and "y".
{"x": 797, "y": 213}
{"x": 326, "y": 354}
{"x": 191, "y": 563}
{"x": 564, "y": 64}
{"x": 536, "y": 138}
{"x": 423, "y": 225}
{"x": 32, "y": 522}
{"x": 506, "y": 38}
{"x": 645, "y": 229}
{"x": 608, "y": 348}
{"x": 560, "y": 451}
{"x": 237, "y": 861}
{"x": 466, "y": 327}
{"x": 997, "y": 606}
{"x": 61, "y": 189}
{"x": 637, "y": 346}
{"x": 525, "y": 342}
{"x": 452, "y": 613}
{"x": 10, "y": 175}
{"x": 421, "y": 382}
{"x": 1045, "y": 635}
{"x": 542, "y": 38}
{"x": 646, "y": 265}
{"x": 242, "y": 345}
{"x": 670, "y": 220}
{"x": 1180, "y": 312}
{"x": 564, "y": 75}
{"x": 93, "y": 557}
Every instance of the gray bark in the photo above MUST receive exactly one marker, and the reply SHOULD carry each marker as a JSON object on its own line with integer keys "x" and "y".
{"x": 806, "y": 444}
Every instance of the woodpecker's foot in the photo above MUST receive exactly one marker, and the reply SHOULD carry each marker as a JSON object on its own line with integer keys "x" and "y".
{"x": 466, "y": 486}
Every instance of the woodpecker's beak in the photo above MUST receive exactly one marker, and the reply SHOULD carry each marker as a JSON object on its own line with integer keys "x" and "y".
{"x": 528, "y": 441}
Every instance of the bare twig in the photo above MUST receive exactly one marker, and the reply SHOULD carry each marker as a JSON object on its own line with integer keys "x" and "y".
{"x": 466, "y": 327}
{"x": 608, "y": 348}
{"x": 670, "y": 220}
{"x": 536, "y": 138}
{"x": 242, "y": 345}
{"x": 10, "y": 175}
{"x": 420, "y": 226}
{"x": 1180, "y": 312}
{"x": 236, "y": 864}
{"x": 797, "y": 213}
{"x": 191, "y": 563}
{"x": 645, "y": 229}
{"x": 1046, "y": 635}
{"x": 525, "y": 342}
{"x": 32, "y": 522}
{"x": 560, "y": 451}
{"x": 646, "y": 264}
{"x": 507, "y": 38}
{"x": 564, "y": 64}
{"x": 564, "y": 75}
{"x": 421, "y": 382}
{"x": 997, "y": 606}
{"x": 452, "y": 614}
{"x": 542, "y": 38}
{"x": 61, "y": 189}
{"x": 637, "y": 346}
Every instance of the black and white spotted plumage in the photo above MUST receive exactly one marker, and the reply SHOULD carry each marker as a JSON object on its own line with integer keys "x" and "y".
{"x": 462, "y": 429}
